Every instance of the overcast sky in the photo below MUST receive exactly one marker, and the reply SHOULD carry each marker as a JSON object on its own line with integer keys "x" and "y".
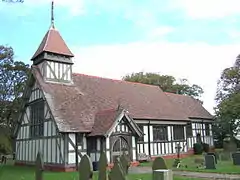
{"x": 193, "y": 39}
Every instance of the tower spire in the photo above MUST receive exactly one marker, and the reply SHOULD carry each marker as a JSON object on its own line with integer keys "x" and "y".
{"x": 52, "y": 15}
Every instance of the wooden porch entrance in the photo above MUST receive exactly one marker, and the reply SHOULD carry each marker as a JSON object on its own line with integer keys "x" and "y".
{"x": 119, "y": 147}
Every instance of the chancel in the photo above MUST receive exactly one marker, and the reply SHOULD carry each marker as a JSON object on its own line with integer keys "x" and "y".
{"x": 67, "y": 115}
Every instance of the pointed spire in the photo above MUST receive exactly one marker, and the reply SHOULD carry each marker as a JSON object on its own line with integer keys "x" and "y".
{"x": 53, "y": 41}
{"x": 52, "y": 15}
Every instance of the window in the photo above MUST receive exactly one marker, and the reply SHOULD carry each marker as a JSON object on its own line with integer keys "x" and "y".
{"x": 160, "y": 133}
{"x": 141, "y": 139}
{"x": 189, "y": 130}
{"x": 37, "y": 119}
{"x": 178, "y": 132}
{"x": 207, "y": 129}
{"x": 93, "y": 144}
{"x": 79, "y": 138}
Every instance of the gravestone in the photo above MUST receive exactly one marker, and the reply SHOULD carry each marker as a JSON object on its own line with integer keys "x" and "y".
{"x": 117, "y": 172}
{"x": 215, "y": 156}
{"x": 236, "y": 158}
{"x": 39, "y": 167}
{"x": 162, "y": 174}
{"x": 159, "y": 163}
{"x": 102, "y": 175}
{"x": 225, "y": 156}
{"x": 210, "y": 162}
{"x": 125, "y": 163}
{"x": 85, "y": 168}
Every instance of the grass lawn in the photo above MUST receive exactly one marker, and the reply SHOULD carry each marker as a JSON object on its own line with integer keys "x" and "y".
{"x": 225, "y": 167}
{"x": 10, "y": 172}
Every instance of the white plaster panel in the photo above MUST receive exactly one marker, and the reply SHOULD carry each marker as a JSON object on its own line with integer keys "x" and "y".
{"x": 169, "y": 133}
{"x": 84, "y": 142}
{"x": 98, "y": 144}
{"x": 151, "y": 133}
{"x": 71, "y": 158}
{"x": 107, "y": 143}
{"x": 133, "y": 142}
{"x": 162, "y": 147}
{"x": 134, "y": 154}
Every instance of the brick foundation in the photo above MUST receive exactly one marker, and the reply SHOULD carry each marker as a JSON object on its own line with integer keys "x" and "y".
{"x": 71, "y": 168}
{"x": 49, "y": 167}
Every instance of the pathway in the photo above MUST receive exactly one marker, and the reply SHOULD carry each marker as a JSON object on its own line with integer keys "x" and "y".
{"x": 203, "y": 175}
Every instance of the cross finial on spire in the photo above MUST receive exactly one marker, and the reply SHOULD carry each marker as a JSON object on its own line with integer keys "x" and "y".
{"x": 52, "y": 15}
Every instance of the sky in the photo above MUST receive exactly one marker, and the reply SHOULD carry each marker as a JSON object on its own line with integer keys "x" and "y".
{"x": 192, "y": 39}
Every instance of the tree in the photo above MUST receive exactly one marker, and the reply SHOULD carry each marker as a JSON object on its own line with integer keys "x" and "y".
{"x": 166, "y": 82}
{"x": 14, "y": 75}
{"x": 228, "y": 102}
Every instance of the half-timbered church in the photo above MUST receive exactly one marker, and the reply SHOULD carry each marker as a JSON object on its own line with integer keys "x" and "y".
{"x": 66, "y": 115}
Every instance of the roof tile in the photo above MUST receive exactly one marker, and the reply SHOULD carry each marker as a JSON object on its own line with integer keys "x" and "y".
{"x": 53, "y": 42}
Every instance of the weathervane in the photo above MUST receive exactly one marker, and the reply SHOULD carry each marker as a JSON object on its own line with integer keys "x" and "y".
{"x": 52, "y": 15}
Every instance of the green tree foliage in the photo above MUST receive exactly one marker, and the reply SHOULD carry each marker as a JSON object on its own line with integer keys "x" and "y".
{"x": 166, "y": 82}
{"x": 12, "y": 82}
{"x": 228, "y": 102}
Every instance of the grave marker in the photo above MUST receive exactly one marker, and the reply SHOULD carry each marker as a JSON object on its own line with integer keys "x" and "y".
{"x": 215, "y": 156}
{"x": 124, "y": 161}
{"x": 85, "y": 168}
{"x": 117, "y": 172}
{"x": 236, "y": 158}
{"x": 39, "y": 167}
{"x": 210, "y": 162}
{"x": 102, "y": 175}
{"x": 159, "y": 163}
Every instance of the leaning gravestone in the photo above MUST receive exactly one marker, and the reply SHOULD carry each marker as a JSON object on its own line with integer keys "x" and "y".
{"x": 102, "y": 175}
{"x": 236, "y": 158}
{"x": 39, "y": 167}
{"x": 117, "y": 172}
{"x": 210, "y": 162}
{"x": 159, "y": 163}
{"x": 85, "y": 168}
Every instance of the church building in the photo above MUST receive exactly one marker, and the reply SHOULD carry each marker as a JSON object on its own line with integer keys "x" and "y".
{"x": 66, "y": 115}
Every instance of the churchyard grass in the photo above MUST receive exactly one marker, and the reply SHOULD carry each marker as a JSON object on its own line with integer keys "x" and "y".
{"x": 225, "y": 167}
{"x": 27, "y": 173}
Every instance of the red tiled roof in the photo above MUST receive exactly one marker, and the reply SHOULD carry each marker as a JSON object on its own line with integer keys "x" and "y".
{"x": 192, "y": 107}
{"x": 104, "y": 121}
{"x": 53, "y": 42}
{"x": 75, "y": 106}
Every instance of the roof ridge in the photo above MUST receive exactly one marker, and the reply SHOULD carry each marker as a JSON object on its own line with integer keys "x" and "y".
{"x": 46, "y": 42}
{"x": 117, "y": 80}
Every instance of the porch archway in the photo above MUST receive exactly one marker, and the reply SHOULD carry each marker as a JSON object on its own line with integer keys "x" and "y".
{"x": 120, "y": 146}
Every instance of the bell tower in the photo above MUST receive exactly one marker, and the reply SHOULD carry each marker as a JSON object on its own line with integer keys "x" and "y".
{"x": 53, "y": 57}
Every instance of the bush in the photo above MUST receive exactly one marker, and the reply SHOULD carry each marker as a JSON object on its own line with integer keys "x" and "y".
{"x": 197, "y": 148}
{"x": 206, "y": 147}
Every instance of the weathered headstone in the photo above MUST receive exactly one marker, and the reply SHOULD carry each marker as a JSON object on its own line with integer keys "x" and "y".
{"x": 236, "y": 158}
{"x": 85, "y": 168}
{"x": 159, "y": 163}
{"x": 39, "y": 167}
{"x": 125, "y": 163}
{"x": 215, "y": 156}
{"x": 225, "y": 156}
{"x": 102, "y": 175}
{"x": 117, "y": 172}
{"x": 210, "y": 162}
